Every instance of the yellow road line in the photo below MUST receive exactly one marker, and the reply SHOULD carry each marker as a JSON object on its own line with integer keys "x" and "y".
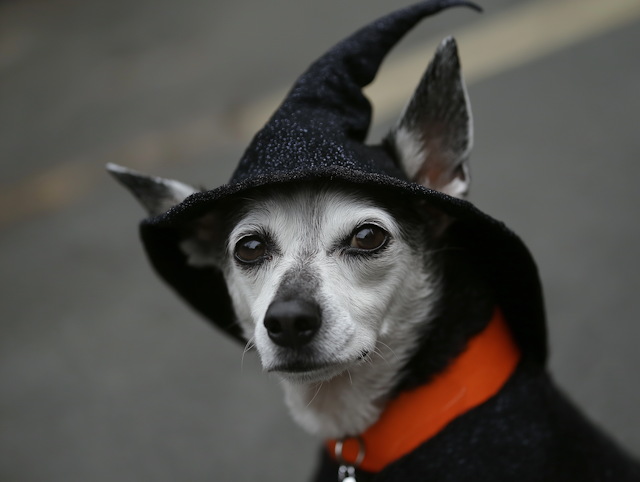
{"x": 62, "y": 184}
{"x": 492, "y": 45}
{"x": 46, "y": 191}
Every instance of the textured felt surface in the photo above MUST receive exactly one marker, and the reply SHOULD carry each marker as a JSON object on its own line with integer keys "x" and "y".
{"x": 528, "y": 432}
{"x": 325, "y": 118}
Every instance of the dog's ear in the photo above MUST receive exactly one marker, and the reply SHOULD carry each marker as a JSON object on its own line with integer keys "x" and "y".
{"x": 156, "y": 194}
{"x": 434, "y": 134}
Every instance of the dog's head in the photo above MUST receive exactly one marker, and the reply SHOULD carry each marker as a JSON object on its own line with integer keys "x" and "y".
{"x": 320, "y": 271}
{"x": 318, "y": 251}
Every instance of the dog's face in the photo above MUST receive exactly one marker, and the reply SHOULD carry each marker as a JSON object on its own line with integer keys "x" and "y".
{"x": 330, "y": 283}
{"x": 319, "y": 275}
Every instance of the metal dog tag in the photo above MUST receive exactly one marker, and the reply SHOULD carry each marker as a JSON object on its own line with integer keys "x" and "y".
{"x": 346, "y": 473}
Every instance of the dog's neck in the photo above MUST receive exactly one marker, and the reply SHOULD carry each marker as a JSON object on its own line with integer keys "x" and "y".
{"x": 459, "y": 307}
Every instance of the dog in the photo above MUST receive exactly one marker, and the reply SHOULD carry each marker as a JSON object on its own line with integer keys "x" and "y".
{"x": 407, "y": 326}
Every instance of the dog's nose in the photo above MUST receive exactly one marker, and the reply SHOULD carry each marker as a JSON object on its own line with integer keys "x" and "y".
{"x": 292, "y": 323}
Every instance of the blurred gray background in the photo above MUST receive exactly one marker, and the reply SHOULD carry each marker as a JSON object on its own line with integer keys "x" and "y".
{"x": 105, "y": 375}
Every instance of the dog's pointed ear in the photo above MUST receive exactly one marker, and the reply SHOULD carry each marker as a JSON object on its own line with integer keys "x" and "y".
{"x": 434, "y": 135}
{"x": 157, "y": 195}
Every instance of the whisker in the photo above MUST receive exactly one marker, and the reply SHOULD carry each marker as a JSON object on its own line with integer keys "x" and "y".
{"x": 379, "y": 353}
{"x": 389, "y": 348}
{"x": 245, "y": 198}
{"x": 368, "y": 359}
{"x": 247, "y": 347}
{"x": 316, "y": 394}
{"x": 309, "y": 389}
{"x": 350, "y": 379}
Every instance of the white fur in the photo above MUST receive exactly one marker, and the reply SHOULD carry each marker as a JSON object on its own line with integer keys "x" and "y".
{"x": 414, "y": 154}
{"x": 458, "y": 187}
{"x": 179, "y": 191}
{"x": 412, "y": 149}
{"x": 375, "y": 304}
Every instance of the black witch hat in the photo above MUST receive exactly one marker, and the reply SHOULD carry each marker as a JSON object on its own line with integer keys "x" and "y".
{"x": 318, "y": 133}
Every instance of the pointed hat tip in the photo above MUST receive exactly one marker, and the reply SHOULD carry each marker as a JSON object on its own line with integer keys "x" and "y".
{"x": 328, "y": 95}
{"x": 475, "y": 7}
{"x": 466, "y": 3}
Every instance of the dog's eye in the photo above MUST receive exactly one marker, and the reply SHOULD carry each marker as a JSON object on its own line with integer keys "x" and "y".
{"x": 368, "y": 237}
{"x": 250, "y": 249}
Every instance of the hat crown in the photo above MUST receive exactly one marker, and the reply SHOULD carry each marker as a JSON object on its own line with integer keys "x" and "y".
{"x": 324, "y": 119}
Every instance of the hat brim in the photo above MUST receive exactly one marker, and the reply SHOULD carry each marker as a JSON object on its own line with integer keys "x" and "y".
{"x": 501, "y": 252}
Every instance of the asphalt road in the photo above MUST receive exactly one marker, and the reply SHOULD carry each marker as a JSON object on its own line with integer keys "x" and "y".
{"x": 105, "y": 375}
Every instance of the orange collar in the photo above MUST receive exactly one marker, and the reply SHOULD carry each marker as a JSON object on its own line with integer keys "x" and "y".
{"x": 417, "y": 415}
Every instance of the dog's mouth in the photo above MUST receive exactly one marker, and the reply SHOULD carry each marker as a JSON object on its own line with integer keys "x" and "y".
{"x": 300, "y": 367}
{"x": 305, "y": 370}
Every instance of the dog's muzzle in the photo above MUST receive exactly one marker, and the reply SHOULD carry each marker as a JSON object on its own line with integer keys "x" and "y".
{"x": 292, "y": 323}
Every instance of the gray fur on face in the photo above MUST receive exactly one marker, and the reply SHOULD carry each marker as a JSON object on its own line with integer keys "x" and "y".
{"x": 372, "y": 306}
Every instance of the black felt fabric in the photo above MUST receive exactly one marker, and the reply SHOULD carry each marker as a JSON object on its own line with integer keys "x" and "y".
{"x": 325, "y": 118}
{"x": 528, "y": 432}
